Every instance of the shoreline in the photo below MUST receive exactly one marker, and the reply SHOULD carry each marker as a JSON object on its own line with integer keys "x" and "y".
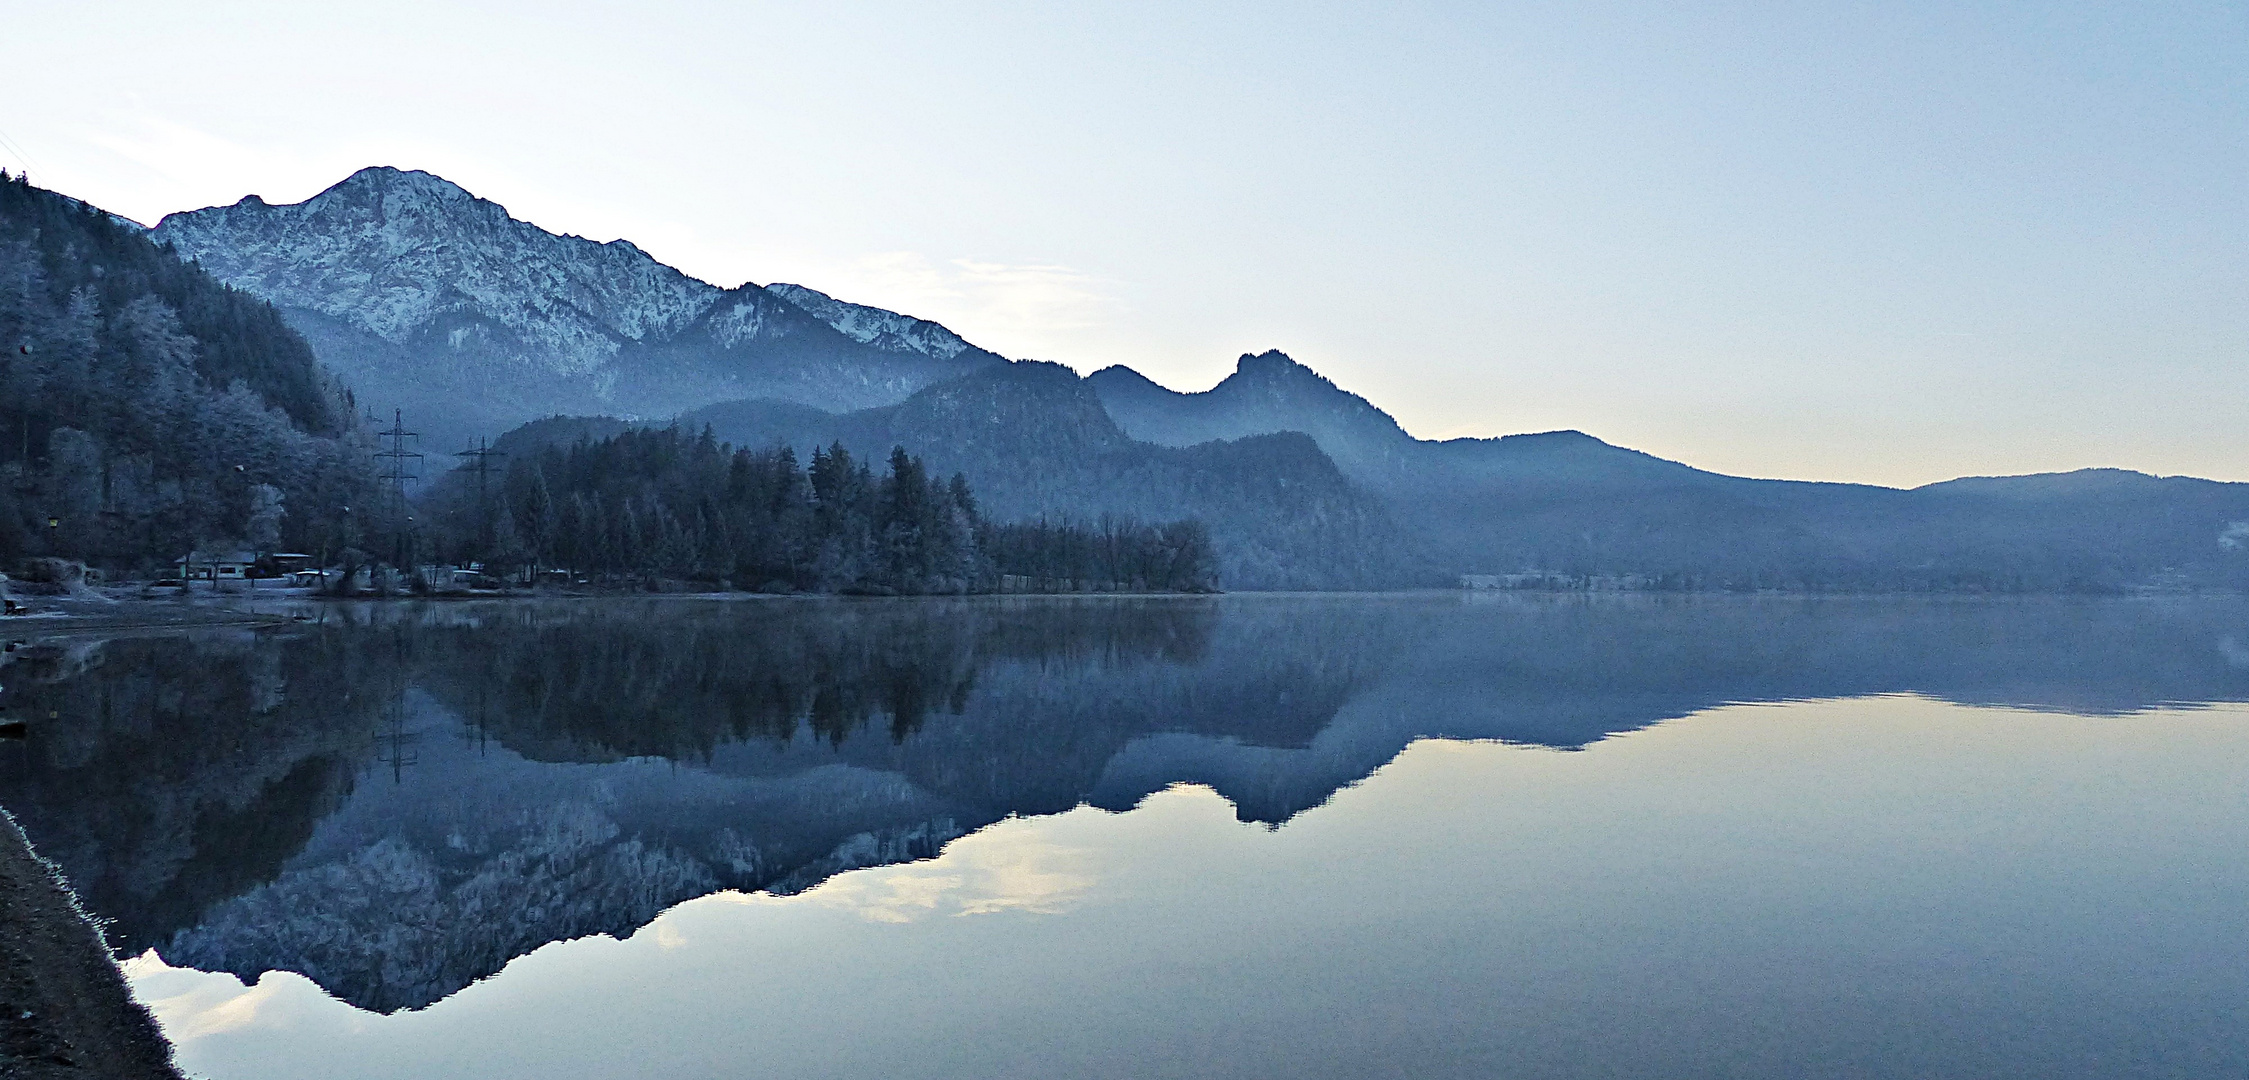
{"x": 273, "y": 608}
{"x": 70, "y": 616}
{"x": 65, "y": 1010}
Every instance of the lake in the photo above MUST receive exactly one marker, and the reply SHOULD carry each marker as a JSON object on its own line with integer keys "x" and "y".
{"x": 1424, "y": 835}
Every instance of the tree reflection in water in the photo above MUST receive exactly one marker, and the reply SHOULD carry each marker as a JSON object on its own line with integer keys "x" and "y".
{"x": 396, "y": 800}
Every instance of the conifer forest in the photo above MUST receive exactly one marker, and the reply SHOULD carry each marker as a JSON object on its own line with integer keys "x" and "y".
{"x": 148, "y": 411}
{"x": 688, "y": 507}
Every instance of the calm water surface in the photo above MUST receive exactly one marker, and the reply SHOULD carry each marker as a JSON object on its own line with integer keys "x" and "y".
{"x": 1244, "y": 836}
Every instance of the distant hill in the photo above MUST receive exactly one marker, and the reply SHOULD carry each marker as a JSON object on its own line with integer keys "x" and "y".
{"x": 1268, "y": 392}
{"x": 558, "y": 431}
{"x": 1034, "y": 441}
{"x": 424, "y": 297}
{"x": 1307, "y": 486}
{"x": 427, "y": 298}
{"x": 1565, "y": 506}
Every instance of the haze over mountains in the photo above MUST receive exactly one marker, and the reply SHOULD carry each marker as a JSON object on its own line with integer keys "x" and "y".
{"x": 422, "y": 296}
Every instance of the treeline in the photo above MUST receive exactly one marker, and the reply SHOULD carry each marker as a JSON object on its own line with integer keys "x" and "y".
{"x": 1036, "y": 441}
{"x": 665, "y": 503}
{"x": 1048, "y": 556}
{"x": 147, "y": 409}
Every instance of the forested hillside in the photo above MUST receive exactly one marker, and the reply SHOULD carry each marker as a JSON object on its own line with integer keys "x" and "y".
{"x": 1564, "y": 509}
{"x": 146, "y": 409}
{"x": 662, "y": 502}
{"x": 431, "y": 299}
{"x": 1035, "y": 441}
{"x": 1306, "y": 486}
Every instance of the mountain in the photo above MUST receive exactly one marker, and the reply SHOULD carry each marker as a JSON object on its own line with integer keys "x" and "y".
{"x": 1268, "y": 392}
{"x": 427, "y": 298}
{"x": 880, "y": 329}
{"x": 1307, "y": 486}
{"x": 1566, "y": 508}
{"x": 1034, "y": 441}
{"x": 422, "y": 296}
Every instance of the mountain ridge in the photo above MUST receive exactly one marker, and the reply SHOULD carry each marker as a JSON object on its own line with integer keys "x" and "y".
{"x": 1035, "y": 442}
{"x": 418, "y": 291}
{"x": 431, "y": 299}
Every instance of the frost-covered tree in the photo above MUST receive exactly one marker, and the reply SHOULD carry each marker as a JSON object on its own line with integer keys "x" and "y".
{"x": 666, "y": 503}
{"x": 146, "y": 409}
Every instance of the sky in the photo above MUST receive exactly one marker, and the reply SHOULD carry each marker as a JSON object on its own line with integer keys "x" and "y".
{"x": 1890, "y": 243}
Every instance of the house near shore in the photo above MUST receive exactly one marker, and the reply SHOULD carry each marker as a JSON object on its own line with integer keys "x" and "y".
{"x": 214, "y": 565}
{"x": 1532, "y": 579}
{"x": 1554, "y": 582}
{"x": 237, "y": 565}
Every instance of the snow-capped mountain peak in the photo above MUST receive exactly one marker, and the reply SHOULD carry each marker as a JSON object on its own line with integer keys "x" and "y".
{"x": 424, "y": 296}
{"x": 393, "y": 252}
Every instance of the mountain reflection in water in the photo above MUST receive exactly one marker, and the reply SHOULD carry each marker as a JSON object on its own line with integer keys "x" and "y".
{"x": 397, "y": 800}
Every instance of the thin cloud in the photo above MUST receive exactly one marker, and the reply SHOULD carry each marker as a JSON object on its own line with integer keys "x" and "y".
{"x": 1020, "y": 309}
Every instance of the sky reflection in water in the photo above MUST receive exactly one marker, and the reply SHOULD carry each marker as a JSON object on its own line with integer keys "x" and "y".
{"x": 1886, "y": 887}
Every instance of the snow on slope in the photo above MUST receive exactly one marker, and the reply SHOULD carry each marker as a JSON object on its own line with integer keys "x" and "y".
{"x": 886, "y": 330}
{"x": 393, "y": 252}
{"x": 422, "y": 297}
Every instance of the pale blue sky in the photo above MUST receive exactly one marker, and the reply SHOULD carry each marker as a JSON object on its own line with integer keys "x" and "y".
{"x": 1894, "y": 242}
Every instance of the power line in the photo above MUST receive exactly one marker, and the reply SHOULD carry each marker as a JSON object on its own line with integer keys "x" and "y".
{"x": 400, "y": 465}
{"x": 480, "y": 459}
